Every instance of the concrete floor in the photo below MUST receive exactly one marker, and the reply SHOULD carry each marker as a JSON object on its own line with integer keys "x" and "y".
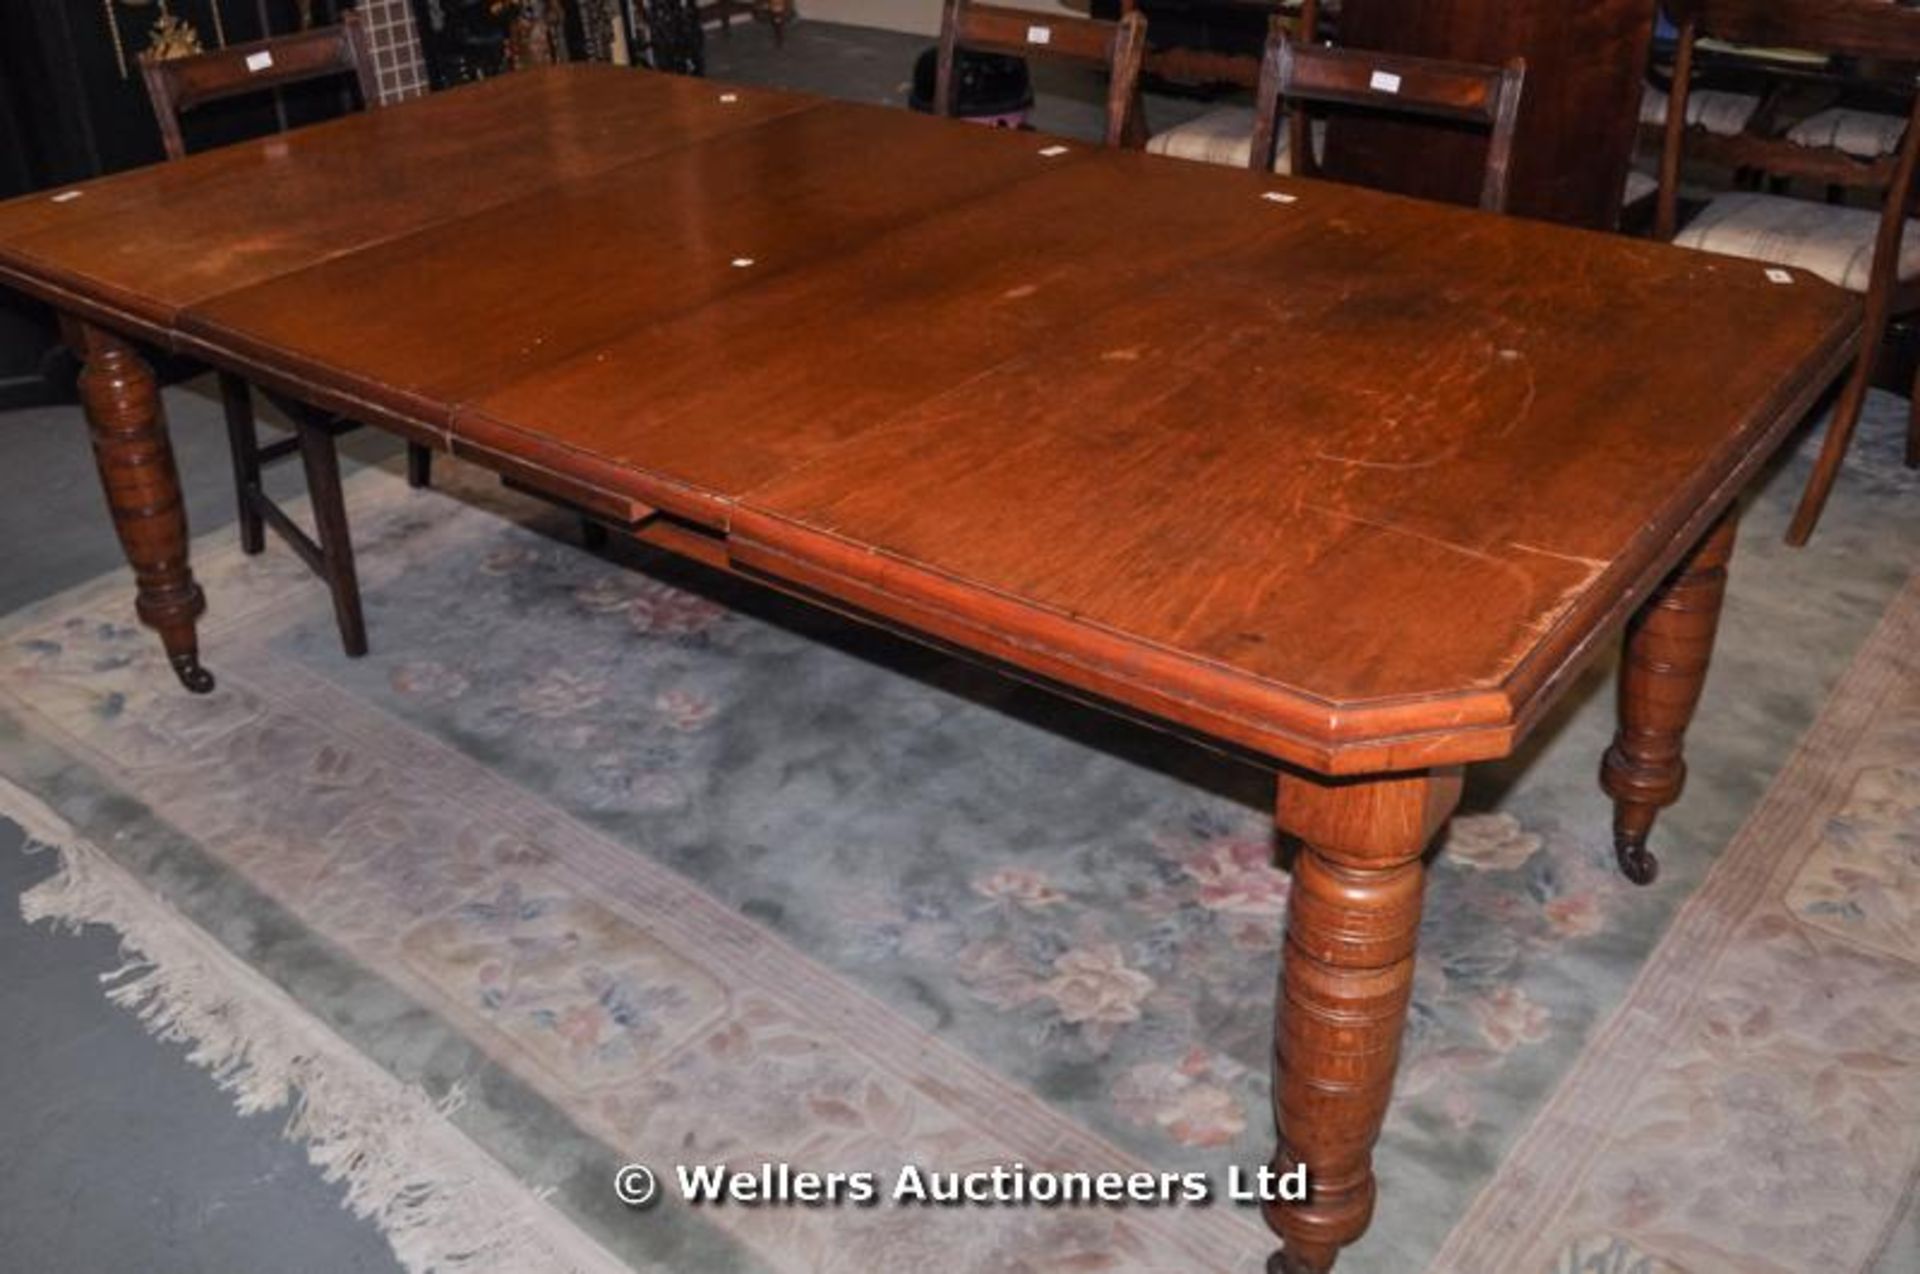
{"x": 120, "y": 1155}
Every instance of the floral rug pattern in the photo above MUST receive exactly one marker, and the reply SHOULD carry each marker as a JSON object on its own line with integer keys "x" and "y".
{"x": 1755, "y": 1104}
{"x": 716, "y": 876}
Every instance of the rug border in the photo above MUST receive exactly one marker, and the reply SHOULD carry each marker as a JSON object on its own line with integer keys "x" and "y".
{"x": 1544, "y": 1165}
{"x": 437, "y": 1197}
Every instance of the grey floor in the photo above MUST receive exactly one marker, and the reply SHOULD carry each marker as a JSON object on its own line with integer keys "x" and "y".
{"x": 120, "y": 1156}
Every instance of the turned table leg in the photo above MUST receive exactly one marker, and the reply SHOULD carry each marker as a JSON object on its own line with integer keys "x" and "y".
{"x": 1346, "y": 981}
{"x": 135, "y": 459}
{"x": 1668, "y": 646}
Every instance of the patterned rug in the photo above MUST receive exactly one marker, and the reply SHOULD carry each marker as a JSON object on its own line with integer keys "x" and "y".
{"x": 1754, "y": 1103}
{"x": 618, "y": 860}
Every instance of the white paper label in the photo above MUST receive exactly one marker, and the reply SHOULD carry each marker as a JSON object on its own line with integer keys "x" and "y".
{"x": 68, "y": 196}
{"x": 1039, "y": 35}
{"x": 1280, "y": 196}
{"x": 1779, "y": 276}
{"x": 729, "y": 97}
{"x": 259, "y": 61}
{"x": 741, "y": 263}
{"x": 1053, "y": 151}
{"x": 1384, "y": 82}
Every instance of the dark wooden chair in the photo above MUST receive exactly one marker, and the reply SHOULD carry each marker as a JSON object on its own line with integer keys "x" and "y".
{"x": 1460, "y": 92}
{"x": 1224, "y": 135}
{"x": 1744, "y": 101}
{"x": 1117, "y": 46}
{"x": 179, "y": 85}
{"x": 776, "y": 13}
{"x": 1856, "y": 248}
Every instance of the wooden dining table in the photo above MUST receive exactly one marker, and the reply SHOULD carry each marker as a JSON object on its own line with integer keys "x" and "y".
{"x": 1343, "y": 481}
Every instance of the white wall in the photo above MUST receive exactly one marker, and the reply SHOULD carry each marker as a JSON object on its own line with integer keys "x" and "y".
{"x": 920, "y": 17}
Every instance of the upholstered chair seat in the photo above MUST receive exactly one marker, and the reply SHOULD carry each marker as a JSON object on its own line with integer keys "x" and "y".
{"x": 1862, "y": 134}
{"x": 1225, "y": 136}
{"x": 1718, "y": 112}
{"x": 1833, "y": 242}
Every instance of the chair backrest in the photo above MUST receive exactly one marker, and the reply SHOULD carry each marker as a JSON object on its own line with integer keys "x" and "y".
{"x": 178, "y": 85}
{"x": 1875, "y": 30}
{"x": 1117, "y": 46}
{"x": 1461, "y": 92}
{"x": 1210, "y": 66}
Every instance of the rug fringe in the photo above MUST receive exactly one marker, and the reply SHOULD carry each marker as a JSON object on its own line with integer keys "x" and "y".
{"x": 441, "y": 1201}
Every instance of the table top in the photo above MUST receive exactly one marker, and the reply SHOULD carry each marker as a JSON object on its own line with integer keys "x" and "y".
{"x": 1353, "y": 481}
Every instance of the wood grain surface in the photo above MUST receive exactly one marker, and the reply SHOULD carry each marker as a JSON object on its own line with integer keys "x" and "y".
{"x": 1344, "y": 478}
{"x": 1351, "y": 481}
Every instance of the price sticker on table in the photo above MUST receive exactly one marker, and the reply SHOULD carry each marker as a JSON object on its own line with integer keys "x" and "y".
{"x": 1384, "y": 82}
{"x": 1039, "y": 35}
{"x": 257, "y": 62}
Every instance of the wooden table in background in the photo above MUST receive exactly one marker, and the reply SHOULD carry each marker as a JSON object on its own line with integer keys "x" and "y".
{"x": 1348, "y": 482}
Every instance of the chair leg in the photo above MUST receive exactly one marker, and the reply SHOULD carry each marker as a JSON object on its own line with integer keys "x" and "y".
{"x": 1846, "y": 415}
{"x": 419, "y": 466}
{"x": 1136, "y": 133}
{"x": 321, "y": 460}
{"x": 243, "y": 442}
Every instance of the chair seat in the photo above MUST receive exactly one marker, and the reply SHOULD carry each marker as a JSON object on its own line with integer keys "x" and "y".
{"x": 1718, "y": 112}
{"x": 1833, "y": 242}
{"x": 1862, "y": 134}
{"x": 1224, "y": 136}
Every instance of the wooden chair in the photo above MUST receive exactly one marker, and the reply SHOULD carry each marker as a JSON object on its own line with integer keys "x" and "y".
{"x": 1224, "y": 135}
{"x": 1856, "y": 248}
{"x": 176, "y": 86}
{"x": 1743, "y": 100}
{"x": 1464, "y": 92}
{"x": 1117, "y": 46}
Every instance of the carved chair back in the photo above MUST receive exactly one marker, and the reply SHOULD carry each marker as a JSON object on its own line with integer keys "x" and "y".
{"x": 178, "y": 85}
{"x": 1462, "y": 92}
{"x": 1117, "y": 46}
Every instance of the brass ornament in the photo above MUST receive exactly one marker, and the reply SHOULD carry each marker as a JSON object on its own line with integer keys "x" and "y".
{"x": 172, "y": 37}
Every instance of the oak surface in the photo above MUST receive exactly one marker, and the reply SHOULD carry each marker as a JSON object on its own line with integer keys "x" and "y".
{"x": 1354, "y": 482}
{"x": 1188, "y": 447}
